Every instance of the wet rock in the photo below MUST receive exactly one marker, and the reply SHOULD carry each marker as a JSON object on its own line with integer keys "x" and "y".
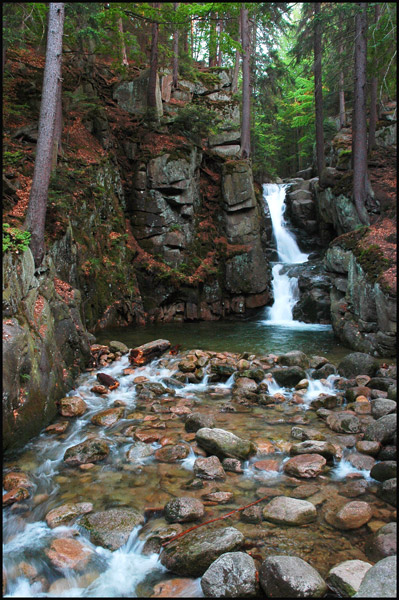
{"x": 305, "y": 465}
{"x": 298, "y": 433}
{"x": 245, "y": 387}
{"x": 183, "y": 510}
{"x": 380, "y": 580}
{"x": 171, "y": 454}
{"x": 381, "y": 407}
{"x": 384, "y": 542}
{"x": 15, "y": 495}
{"x": 290, "y": 577}
{"x": 224, "y": 443}
{"x": 218, "y": 497}
{"x": 289, "y": 511}
{"x": 252, "y": 514}
{"x": 325, "y": 449}
{"x": 193, "y": 553}
{"x": 387, "y": 491}
{"x": 116, "y": 346}
{"x": 99, "y": 389}
{"x": 384, "y": 470}
{"x": 209, "y": 468}
{"x": 381, "y": 383}
{"x": 381, "y": 430}
{"x": 232, "y": 575}
{"x": 108, "y": 417}
{"x": 147, "y": 352}
{"x": 343, "y": 422}
{"x": 16, "y": 479}
{"x": 288, "y": 376}
{"x": 267, "y": 465}
{"x": 317, "y": 361}
{"x": 178, "y": 587}
{"x": 324, "y": 371}
{"x": 72, "y": 406}
{"x": 139, "y": 452}
{"x": 304, "y": 491}
{"x": 233, "y": 465}
{"x": 197, "y": 421}
{"x": 358, "y": 363}
{"x": 293, "y": 358}
{"x": 361, "y": 461}
{"x": 67, "y": 553}
{"x": 366, "y": 447}
{"x": 111, "y": 528}
{"x": 67, "y": 513}
{"x": 57, "y": 428}
{"x": 351, "y": 516}
{"x": 387, "y": 453}
{"x": 345, "y": 578}
{"x": 160, "y": 532}
{"x": 353, "y": 489}
{"x": 323, "y": 413}
{"x": 91, "y": 450}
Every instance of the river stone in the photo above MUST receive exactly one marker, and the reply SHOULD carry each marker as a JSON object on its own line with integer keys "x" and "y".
{"x": 345, "y": 579}
{"x": 384, "y": 470}
{"x": 72, "y": 406}
{"x": 108, "y": 417}
{"x": 380, "y": 580}
{"x": 355, "y": 488}
{"x": 197, "y": 421}
{"x": 138, "y": 452}
{"x": 16, "y": 479}
{"x": 358, "y": 363}
{"x": 305, "y": 465}
{"x": 67, "y": 513}
{"x": 209, "y": 468}
{"x": 252, "y": 514}
{"x": 387, "y": 491}
{"x": 384, "y": 542}
{"x": 116, "y": 346}
{"x": 232, "y": 464}
{"x": 290, "y": 577}
{"x": 324, "y": 371}
{"x": 289, "y": 511}
{"x": 111, "y": 528}
{"x": 343, "y": 422}
{"x": 224, "y": 443}
{"x": 171, "y": 454}
{"x": 160, "y": 534}
{"x": 193, "y": 553}
{"x": 90, "y": 451}
{"x": 288, "y": 376}
{"x": 388, "y": 453}
{"x": 351, "y": 516}
{"x": 67, "y": 553}
{"x": 361, "y": 461}
{"x": 293, "y": 358}
{"x": 381, "y": 430}
{"x": 183, "y": 510}
{"x": 325, "y": 449}
{"x": 381, "y": 407}
{"x": 232, "y": 575}
{"x": 366, "y": 447}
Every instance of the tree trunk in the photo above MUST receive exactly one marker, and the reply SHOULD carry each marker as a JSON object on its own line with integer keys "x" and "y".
{"x": 36, "y": 214}
{"x": 212, "y": 41}
{"x": 246, "y": 86}
{"x": 234, "y": 83}
{"x": 175, "y": 51}
{"x": 125, "y": 62}
{"x": 57, "y": 148}
{"x": 341, "y": 93}
{"x": 359, "y": 149}
{"x": 192, "y": 36}
{"x": 373, "y": 91}
{"x": 152, "y": 79}
{"x": 219, "y": 53}
{"x": 318, "y": 92}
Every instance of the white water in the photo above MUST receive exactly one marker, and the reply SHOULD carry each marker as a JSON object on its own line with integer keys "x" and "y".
{"x": 285, "y": 289}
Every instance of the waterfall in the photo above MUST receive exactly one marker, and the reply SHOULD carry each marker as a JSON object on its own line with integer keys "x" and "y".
{"x": 285, "y": 289}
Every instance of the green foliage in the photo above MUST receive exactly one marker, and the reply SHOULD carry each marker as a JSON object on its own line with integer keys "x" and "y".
{"x": 15, "y": 240}
{"x": 195, "y": 121}
{"x": 13, "y": 158}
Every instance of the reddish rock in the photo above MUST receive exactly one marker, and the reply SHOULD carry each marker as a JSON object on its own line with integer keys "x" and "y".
{"x": 72, "y": 406}
{"x": 264, "y": 446}
{"x": 365, "y": 447}
{"x": 108, "y": 417}
{"x": 147, "y": 437}
{"x": 67, "y": 553}
{"x": 57, "y": 428}
{"x": 351, "y": 516}
{"x": 167, "y": 441}
{"x": 267, "y": 465}
{"x": 67, "y": 513}
{"x": 361, "y": 461}
{"x": 180, "y": 587}
{"x": 15, "y": 495}
{"x": 90, "y": 451}
{"x": 171, "y": 454}
{"x": 15, "y": 480}
{"x": 209, "y": 468}
{"x": 99, "y": 389}
{"x": 107, "y": 380}
{"x": 218, "y": 497}
{"x": 140, "y": 378}
{"x": 180, "y": 410}
{"x": 305, "y": 465}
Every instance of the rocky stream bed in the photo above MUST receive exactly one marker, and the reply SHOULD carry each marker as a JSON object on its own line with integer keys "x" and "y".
{"x": 205, "y": 474}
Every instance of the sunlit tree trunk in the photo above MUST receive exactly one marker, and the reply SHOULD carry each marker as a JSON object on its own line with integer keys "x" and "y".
{"x": 57, "y": 148}
{"x": 373, "y": 91}
{"x": 359, "y": 147}
{"x": 234, "y": 83}
{"x": 219, "y": 53}
{"x": 152, "y": 79}
{"x": 125, "y": 62}
{"x": 246, "y": 86}
{"x": 36, "y": 214}
{"x": 318, "y": 92}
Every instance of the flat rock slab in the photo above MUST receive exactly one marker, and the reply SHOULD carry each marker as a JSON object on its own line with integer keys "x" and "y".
{"x": 108, "y": 417}
{"x": 232, "y": 575}
{"x": 192, "y": 554}
{"x": 224, "y": 444}
{"x": 289, "y": 511}
{"x": 111, "y": 528}
{"x": 345, "y": 579}
{"x": 290, "y": 577}
{"x": 67, "y": 513}
{"x": 209, "y": 468}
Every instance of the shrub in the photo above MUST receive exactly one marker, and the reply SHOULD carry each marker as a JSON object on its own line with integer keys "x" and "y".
{"x": 14, "y": 239}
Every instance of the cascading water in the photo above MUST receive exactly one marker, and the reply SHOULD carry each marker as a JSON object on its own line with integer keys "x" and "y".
{"x": 285, "y": 289}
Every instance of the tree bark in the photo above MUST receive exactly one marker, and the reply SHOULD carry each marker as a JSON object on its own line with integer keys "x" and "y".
{"x": 359, "y": 149}
{"x": 152, "y": 79}
{"x": 36, "y": 213}
{"x": 125, "y": 62}
{"x": 318, "y": 92}
{"x": 341, "y": 93}
{"x": 175, "y": 51}
{"x": 57, "y": 148}
{"x": 246, "y": 86}
{"x": 212, "y": 41}
{"x": 373, "y": 91}
{"x": 234, "y": 83}
{"x": 219, "y": 52}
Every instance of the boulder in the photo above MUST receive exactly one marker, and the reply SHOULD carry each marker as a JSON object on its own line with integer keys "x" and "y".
{"x": 345, "y": 578}
{"x": 90, "y": 451}
{"x": 72, "y": 406}
{"x": 183, "y": 510}
{"x": 67, "y": 553}
{"x": 366, "y": 447}
{"x": 381, "y": 407}
{"x": 343, "y": 422}
{"x": 138, "y": 452}
{"x": 209, "y": 468}
{"x": 108, "y": 417}
{"x": 305, "y": 465}
{"x": 384, "y": 542}
{"x": 289, "y": 511}
{"x": 351, "y": 516}
{"x": 380, "y": 580}
{"x": 381, "y": 430}
{"x": 192, "y": 554}
{"x": 197, "y": 421}
{"x": 16, "y": 479}
{"x": 289, "y": 376}
{"x": 171, "y": 454}
{"x": 358, "y": 363}
{"x": 290, "y": 577}
{"x": 116, "y": 346}
{"x": 252, "y": 514}
{"x": 387, "y": 491}
{"x": 112, "y": 528}
{"x": 325, "y": 449}
{"x": 384, "y": 470}
{"x": 67, "y": 513}
{"x": 361, "y": 461}
{"x": 232, "y": 575}
{"x": 224, "y": 444}
{"x": 232, "y": 464}
{"x": 293, "y": 358}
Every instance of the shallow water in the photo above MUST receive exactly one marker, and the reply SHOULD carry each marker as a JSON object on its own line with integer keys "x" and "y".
{"x": 147, "y": 485}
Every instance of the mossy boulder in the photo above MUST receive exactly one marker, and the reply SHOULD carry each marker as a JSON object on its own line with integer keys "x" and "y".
{"x": 224, "y": 444}
{"x": 111, "y": 528}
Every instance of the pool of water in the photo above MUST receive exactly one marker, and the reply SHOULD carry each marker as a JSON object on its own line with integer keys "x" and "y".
{"x": 247, "y": 335}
